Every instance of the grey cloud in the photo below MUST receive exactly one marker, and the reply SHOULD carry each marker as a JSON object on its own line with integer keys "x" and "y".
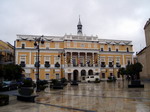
{"x": 114, "y": 19}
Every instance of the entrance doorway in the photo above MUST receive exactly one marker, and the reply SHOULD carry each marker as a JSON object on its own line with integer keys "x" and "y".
{"x": 83, "y": 75}
{"x": 69, "y": 76}
{"x": 90, "y": 72}
{"x": 75, "y": 75}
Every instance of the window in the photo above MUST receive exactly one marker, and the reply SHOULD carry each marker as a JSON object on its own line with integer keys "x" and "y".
{"x": 47, "y": 62}
{"x": 36, "y": 59}
{"x": 95, "y": 45}
{"x": 110, "y": 63}
{"x": 23, "y": 45}
{"x": 57, "y": 59}
{"x": 57, "y": 76}
{"x": 75, "y": 44}
{"x": 128, "y": 62}
{"x": 68, "y": 44}
{"x": 47, "y": 76}
{"x": 103, "y": 63}
{"x": 127, "y": 49}
{"x": 102, "y": 49}
{"x": 89, "y": 45}
{"x": 56, "y": 45}
{"x": 82, "y": 45}
{"x": 47, "y": 45}
{"x": 117, "y": 48}
{"x": 36, "y": 76}
{"x": 22, "y": 59}
{"x": 118, "y": 60}
{"x": 103, "y": 75}
{"x": 111, "y": 74}
{"x": 109, "y": 49}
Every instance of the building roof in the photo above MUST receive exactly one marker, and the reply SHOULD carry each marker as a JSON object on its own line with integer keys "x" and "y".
{"x": 147, "y": 23}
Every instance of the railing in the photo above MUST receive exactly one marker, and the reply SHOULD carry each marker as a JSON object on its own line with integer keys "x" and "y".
{"x": 57, "y": 65}
{"x": 110, "y": 65}
{"x": 36, "y": 64}
{"x": 103, "y": 65}
{"x": 47, "y": 65}
{"x": 22, "y": 64}
{"x": 118, "y": 65}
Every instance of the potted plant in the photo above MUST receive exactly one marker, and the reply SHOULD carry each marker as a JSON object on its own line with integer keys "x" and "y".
{"x": 64, "y": 81}
{"x": 4, "y": 99}
{"x": 74, "y": 83}
{"x": 27, "y": 88}
{"x": 56, "y": 84}
{"x": 97, "y": 80}
{"x": 111, "y": 79}
{"x": 43, "y": 84}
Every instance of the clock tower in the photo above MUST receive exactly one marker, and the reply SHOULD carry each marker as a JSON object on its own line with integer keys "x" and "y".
{"x": 79, "y": 28}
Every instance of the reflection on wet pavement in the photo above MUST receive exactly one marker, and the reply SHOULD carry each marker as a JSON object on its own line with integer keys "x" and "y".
{"x": 87, "y": 97}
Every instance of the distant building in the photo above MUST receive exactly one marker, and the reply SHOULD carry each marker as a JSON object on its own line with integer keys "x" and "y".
{"x": 6, "y": 53}
{"x": 144, "y": 54}
{"x": 73, "y": 56}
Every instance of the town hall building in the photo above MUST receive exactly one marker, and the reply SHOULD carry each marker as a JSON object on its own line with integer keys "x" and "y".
{"x": 72, "y": 56}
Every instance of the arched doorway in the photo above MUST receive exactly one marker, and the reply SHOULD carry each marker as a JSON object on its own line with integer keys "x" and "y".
{"x": 75, "y": 75}
{"x": 90, "y": 72}
{"x": 83, "y": 75}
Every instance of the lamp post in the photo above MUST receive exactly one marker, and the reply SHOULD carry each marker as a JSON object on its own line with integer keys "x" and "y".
{"x": 113, "y": 68}
{"x": 36, "y": 44}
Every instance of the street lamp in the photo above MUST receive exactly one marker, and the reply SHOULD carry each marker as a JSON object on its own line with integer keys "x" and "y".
{"x": 113, "y": 68}
{"x": 37, "y": 64}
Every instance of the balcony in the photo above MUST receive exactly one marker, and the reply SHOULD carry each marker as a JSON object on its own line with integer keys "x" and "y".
{"x": 74, "y": 65}
{"x": 36, "y": 64}
{"x": 110, "y": 65}
{"x": 22, "y": 64}
{"x": 47, "y": 65}
{"x": 83, "y": 65}
{"x": 57, "y": 65}
{"x": 103, "y": 65}
{"x": 118, "y": 65}
{"x": 90, "y": 65}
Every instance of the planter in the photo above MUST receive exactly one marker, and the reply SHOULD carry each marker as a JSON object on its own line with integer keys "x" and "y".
{"x": 136, "y": 84}
{"x": 26, "y": 91}
{"x": 74, "y": 83}
{"x": 58, "y": 85}
{"x": 4, "y": 100}
{"x": 43, "y": 87}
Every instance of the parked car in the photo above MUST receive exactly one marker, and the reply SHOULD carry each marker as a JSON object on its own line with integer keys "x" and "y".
{"x": 92, "y": 78}
{"x": 9, "y": 85}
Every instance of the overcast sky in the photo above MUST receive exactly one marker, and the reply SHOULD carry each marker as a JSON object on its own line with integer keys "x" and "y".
{"x": 109, "y": 19}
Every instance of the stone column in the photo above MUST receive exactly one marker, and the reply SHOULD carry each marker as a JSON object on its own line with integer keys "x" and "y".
{"x": 71, "y": 59}
{"x": 93, "y": 61}
{"x": 79, "y": 75}
{"x": 86, "y": 59}
{"x": 65, "y": 61}
{"x": 71, "y": 76}
{"x": 99, "y": 60}
{"x": 123, "y": 60}
{"x": 79, "y": 59}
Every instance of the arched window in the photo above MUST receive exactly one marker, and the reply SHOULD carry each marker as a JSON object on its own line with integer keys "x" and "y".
{"x": 127, "y": 49}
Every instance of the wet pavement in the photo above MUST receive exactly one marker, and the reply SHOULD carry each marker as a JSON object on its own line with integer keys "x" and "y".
{"x": 87, "y": 97}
